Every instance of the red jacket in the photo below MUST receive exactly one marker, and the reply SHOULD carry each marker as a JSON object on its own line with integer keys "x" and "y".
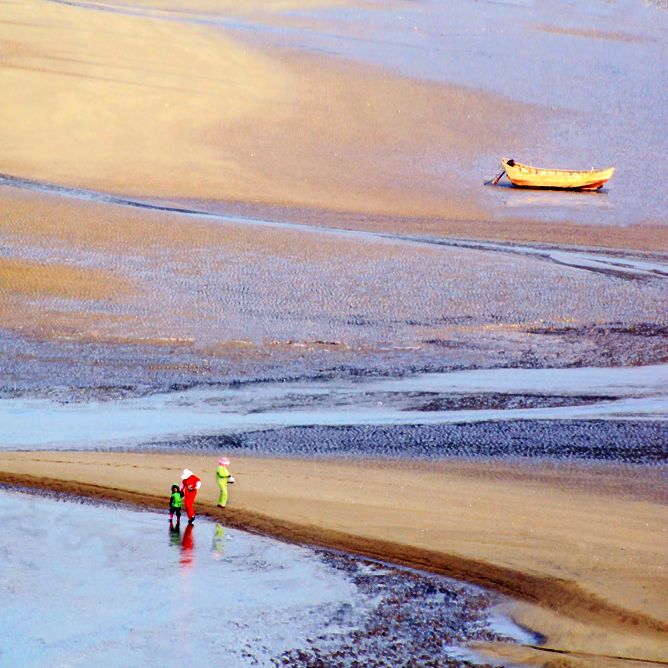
{"x": 191, "y": 484}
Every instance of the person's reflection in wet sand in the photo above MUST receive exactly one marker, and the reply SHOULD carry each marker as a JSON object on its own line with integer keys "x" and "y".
{"x": 175, "y": 534}
{"x": 218, "y": 544}
{"x": 187, "y": 547}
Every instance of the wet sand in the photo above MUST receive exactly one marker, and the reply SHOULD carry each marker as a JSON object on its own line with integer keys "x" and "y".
{"x": 581, "y": 548}
{"x": 324, "y": 166}
{"x": 194, "y": 299}
{"x": 205, "y": 104}
{"x": 138, "y": 582}
{"x": 231, "y": 111}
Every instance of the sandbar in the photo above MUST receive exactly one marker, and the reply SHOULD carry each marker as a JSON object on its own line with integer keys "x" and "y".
{"x": 580, "y": 549}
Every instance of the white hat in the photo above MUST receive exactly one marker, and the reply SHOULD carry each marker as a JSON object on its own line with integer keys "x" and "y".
{"x": 186, "y": 474}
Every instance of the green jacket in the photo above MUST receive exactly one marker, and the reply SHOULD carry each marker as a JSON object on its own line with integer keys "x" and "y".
{"x": 176, "y": 500}
{"x": 222, "y": 472}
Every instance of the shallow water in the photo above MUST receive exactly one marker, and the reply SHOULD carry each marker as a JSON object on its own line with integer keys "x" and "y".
{"x": 92, "y": 584}
{"x": 98, "y": 585}
{"x": 633, "y": 393}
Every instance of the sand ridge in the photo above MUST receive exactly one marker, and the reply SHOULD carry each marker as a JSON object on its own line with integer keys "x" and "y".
{"x": 585, "y": 566}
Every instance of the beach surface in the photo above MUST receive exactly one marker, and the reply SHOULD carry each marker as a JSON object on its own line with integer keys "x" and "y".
{"x": 581, "y": 548}
{"x": 261, "y": 228}
{"x": 124, "y": 584}
{"x": 343, "y": 110}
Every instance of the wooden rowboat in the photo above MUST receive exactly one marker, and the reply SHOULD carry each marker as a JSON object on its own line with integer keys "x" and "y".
{"x": 524, "y": 176}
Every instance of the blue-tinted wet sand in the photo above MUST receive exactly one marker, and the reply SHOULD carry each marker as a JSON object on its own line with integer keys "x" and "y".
{"x": 87, "y": 584}
{"x": 613, "y": 414}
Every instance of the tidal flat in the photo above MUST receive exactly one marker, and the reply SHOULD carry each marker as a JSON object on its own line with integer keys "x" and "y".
{"x": 259, "y": 229}
{"x": 92, "y": 582}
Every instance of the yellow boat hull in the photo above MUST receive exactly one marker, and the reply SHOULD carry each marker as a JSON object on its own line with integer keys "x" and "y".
{"x": 525, "y": 176}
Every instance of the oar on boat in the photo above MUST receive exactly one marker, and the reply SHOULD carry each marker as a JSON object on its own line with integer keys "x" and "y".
{"x": 496, "y": 179}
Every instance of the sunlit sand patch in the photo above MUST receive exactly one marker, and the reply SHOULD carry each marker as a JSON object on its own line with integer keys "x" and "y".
{"x": 205, "y": 7}
{"x": 145, "y": 106}
{"x": 61, "y": 300}
{"x": 119, "y": 95}
{"x": 35, "y": 280}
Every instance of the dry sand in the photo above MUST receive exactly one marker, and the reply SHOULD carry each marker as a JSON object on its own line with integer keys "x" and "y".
{"x": 581, "y": 550}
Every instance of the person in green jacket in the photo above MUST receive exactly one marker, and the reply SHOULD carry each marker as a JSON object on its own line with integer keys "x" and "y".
{"x": 175, "y": 504}
{"x": 223, "y": 477}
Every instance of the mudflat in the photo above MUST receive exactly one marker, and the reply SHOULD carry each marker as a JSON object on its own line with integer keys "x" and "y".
{"x": 581, "y": 548}
{"x": 292, "y": 190}
{"x": 203, "y": 299}
{"x": 181, "y": 101}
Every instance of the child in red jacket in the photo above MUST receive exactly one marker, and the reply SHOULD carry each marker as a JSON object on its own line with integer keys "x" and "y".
{"x": 189, "y": 486}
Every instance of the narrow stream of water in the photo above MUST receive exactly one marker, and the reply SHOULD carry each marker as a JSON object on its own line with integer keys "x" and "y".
{"x": 631, "y": 393}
